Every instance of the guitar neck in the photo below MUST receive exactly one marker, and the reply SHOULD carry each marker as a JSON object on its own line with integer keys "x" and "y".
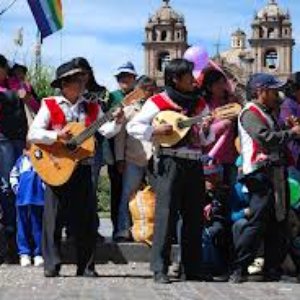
{"x": 93, "y": 128}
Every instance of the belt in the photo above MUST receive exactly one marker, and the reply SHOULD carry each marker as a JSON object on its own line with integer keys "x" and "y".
{"x": 180, "y": 154}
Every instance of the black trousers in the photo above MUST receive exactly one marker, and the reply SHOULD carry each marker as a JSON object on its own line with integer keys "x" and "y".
{"x": 72, "y": 204}
{"x": 261, "y": 227}
{"x": 179, "y": 186}
{"x": 115, "y": 194}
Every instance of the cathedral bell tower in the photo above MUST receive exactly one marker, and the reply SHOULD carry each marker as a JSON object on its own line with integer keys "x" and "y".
{"x": 272, "y": 42}
{"x": 165, "y": 39}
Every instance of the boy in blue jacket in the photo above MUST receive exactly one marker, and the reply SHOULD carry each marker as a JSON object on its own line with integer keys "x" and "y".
{"x": 29, "y": 191}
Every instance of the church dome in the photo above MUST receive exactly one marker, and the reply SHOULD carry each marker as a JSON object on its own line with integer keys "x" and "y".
{"x": 166, "y": 14}
{"x": 239, "y": 32}
{"x": 272, "y": 10}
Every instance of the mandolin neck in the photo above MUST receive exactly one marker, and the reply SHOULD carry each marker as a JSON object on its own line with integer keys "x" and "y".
{"x": 190, "y": 122}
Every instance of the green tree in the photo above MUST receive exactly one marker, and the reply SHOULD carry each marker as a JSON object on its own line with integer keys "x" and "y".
{"x": 40, "y": 79}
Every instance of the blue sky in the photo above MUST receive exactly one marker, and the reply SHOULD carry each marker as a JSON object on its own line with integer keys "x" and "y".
{"x": 109, "y": 33}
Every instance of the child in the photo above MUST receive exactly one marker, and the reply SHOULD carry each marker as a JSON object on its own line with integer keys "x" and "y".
{"x": 215, "y": 237}
{"x": 29, "y": 191}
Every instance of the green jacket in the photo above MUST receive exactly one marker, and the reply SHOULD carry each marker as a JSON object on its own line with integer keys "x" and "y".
{"x": 115, "y": 98}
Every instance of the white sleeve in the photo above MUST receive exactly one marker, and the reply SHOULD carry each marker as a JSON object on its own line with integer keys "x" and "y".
{"x": 38, "y": 132}
{"x": 140, "y": 127}
{"x": 108, "y": 129}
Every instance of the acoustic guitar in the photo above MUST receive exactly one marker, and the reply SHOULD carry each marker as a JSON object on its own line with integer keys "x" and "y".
{"x": 182, "y": 124}
{"x": 56, "y": 163}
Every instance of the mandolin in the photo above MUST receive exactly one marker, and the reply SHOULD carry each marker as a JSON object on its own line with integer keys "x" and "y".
{"x": 56, "y": 163}
{"x": 182, "y": 124}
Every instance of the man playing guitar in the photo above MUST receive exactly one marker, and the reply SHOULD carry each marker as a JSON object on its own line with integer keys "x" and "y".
{"x": 73, "y": 199}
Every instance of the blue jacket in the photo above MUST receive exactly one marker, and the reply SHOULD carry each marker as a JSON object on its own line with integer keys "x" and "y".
{"x": 26, "y": 183}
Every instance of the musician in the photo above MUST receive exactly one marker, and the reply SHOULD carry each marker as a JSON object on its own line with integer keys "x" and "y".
{"x": 99, "y": 94}
{"x": 136, "y": 155}
{"x": 126, "y": 79}
{"x": 264, "y": 174}
{"x": 75, "y": 198}
{"x": 177, "y": 174}
{"x": 290, "y": 108}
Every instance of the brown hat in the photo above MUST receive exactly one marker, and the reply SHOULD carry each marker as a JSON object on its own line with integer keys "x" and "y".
{"x": 65, "y": 70}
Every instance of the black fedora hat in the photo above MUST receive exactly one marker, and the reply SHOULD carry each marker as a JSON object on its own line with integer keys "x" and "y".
{"x": 65, "y": 70}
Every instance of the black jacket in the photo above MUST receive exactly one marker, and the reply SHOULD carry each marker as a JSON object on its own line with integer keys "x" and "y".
{"x": 13, "y": 122}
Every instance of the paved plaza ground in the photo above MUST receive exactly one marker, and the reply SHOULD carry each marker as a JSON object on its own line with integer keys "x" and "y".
{"x": 132, "y": 281}
{"x": 128, "y": 282}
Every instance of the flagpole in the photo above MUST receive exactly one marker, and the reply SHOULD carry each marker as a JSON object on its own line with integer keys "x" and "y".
{"x": 38, "y": 55}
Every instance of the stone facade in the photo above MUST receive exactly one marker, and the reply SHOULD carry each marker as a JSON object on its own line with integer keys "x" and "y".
{"x": 165, "y": 39}
{"x": 271, "y": 44}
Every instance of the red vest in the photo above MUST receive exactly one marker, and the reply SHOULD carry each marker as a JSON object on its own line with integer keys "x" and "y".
{"x": 163, "y": 102}
{"x": 58, "y": 118}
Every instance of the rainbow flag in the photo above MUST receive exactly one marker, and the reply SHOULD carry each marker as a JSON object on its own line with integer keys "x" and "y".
{"x": 48, "y": 15}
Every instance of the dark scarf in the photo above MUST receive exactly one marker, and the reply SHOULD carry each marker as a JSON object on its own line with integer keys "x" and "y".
{"x": 188, "y": 101}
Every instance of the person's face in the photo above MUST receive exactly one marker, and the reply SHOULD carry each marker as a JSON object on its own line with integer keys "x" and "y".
{"x": 272, "y": 98}
{"x": 218, "y": 88}
{"x": 185, "y": 83}
{"x": 20, "y": 74}
{"x": 126, "y": 81}
{"x": 3, "y": 74}
{"x": 72, "y": 87}
{"x": 149, "y": 91}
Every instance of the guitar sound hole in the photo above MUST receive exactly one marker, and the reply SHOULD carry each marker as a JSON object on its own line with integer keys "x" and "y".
{"x": 38, "y": 154}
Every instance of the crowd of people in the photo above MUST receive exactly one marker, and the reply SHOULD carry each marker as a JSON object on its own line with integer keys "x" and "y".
{"x": 223, "y": 192}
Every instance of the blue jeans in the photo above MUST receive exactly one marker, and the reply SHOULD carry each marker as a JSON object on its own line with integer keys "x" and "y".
{"x": 10, "y": 151}
{"x": 29, "y": 227}
{"x": 132, "y": 179}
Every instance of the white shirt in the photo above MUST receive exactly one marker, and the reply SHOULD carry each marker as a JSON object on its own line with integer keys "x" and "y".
{"x": 39, "y": 133}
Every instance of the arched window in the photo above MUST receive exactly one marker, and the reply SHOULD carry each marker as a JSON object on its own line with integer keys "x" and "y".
{"x": 261, "y": 32}
{"x": 286, "y": 31}
{"x": 154, "y": 35}
{"x": 163, "y": 35}
{"x": 271, "y": 33}
{"x": 163, "y": 59}
{"x": 271, "y": 59}
{"x": 178, "y": 35}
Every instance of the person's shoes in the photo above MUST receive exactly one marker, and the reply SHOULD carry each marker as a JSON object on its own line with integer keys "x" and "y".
{"x": 123, "y": 237}
{"x": 51, "y": 273}
{"x": 100, "y": 238}
{"x": 236, "y": 276}
{"x": 87, "y": 273}
{"x": 272, "y": 275}
{"x": 162, "y": 278}
{"x": 25, "y": 260}
{"x": 38, "y": 261}
{"x": 221, "y": 278}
